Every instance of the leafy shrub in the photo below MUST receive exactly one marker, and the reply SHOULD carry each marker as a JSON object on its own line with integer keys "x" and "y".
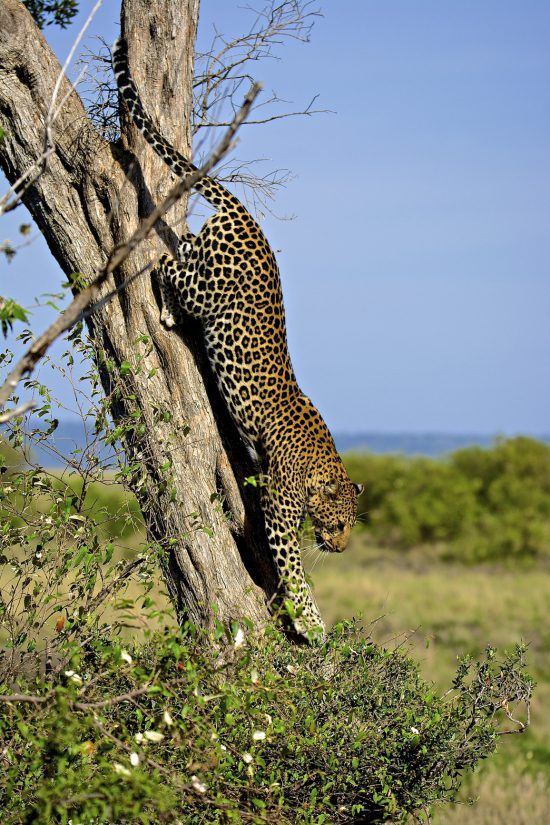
{"x": 189, "y": 731}
{"x": 483, "y": 504}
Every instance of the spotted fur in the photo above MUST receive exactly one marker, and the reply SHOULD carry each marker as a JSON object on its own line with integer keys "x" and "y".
{"x": 227, "y": 277}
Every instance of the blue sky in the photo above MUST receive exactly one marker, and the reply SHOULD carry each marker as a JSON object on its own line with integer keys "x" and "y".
{"x": 416, "y": 269}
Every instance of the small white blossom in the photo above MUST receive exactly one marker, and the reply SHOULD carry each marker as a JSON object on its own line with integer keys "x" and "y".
{"x": 167, "y": 718}
{"x": 258, "y": 735}
{"x": 223, "y": 748}
{"x": 239, "y": 637}
{"x": 415, "y": 730}
{"x": 134, "y": 759}
{"x": 74, "y": 677}
{"x": 247, "y": 758}
{"x": 118, "y": 768}
{"x": 154, "y": 735}
{"x": 197, "y": 784}
{"x": 125, "y": 656}
{"x": 254, "y": 677}
{"x": 139, "y": 738}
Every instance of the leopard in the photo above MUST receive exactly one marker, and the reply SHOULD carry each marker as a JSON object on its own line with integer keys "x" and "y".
{"x": 227, "y": 278}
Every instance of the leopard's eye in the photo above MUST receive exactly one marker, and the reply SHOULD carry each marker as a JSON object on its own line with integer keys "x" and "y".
{"x": 341, "y": 525}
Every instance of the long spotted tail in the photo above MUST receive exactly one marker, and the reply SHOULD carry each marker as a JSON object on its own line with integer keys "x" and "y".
{"x": 210, "y": 189}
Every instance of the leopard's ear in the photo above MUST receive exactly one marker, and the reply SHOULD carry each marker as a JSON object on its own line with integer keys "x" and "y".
{"x": 359, "y": 488}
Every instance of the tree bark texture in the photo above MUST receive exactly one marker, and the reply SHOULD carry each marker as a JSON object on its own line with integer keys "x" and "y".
{"x": 89, "y": 199}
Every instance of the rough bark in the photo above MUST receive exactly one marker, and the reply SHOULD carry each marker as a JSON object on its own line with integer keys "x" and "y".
{"x": 89, "y": 199}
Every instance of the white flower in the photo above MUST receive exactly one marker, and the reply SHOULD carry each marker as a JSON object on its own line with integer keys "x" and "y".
{"x": 134, "y": 759}
{"x": 223, "y": 748}
{"x": 415, "y": 730}
{"x": 139, "y": 738}
{"x": 118, "y": 768}
{"x": 126, "y": 656}
{"x": 74, "y": 677}
{"x": 239, "y": 637}
{"x": 258, "y": 735}
{"x": 254, "y": 677}
{"x": 154, "y": 735}
{"x": 167, "y": 718}
{"x": 247, "y": 758}
{"x": 198, "y": 786}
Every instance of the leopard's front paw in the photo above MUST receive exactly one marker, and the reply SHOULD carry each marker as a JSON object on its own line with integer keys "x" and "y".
{"x": 167, "y": 319}
{"x": 305, "y": 619}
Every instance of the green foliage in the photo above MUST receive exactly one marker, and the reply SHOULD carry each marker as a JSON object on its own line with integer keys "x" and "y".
{"x": 199, "y": 730}
{"x": 10, "y": 311}
{"x": 46, "y": 12}
{"x": 481, "y": 504}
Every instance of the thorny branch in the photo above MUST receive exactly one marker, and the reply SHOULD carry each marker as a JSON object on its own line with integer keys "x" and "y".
{"x": 86, "y": 296}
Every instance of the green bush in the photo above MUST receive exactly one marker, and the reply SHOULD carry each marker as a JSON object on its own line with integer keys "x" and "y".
{"x": 482, "y": 504}
{"x": 188, "y": 731}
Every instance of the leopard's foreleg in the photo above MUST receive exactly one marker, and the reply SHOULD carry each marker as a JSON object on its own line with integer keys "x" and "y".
{"x": 282, "y": 523}
{"x": 177, "y": 282}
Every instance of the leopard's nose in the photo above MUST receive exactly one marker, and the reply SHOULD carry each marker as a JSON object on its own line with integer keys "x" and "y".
{"x": 344, "y": 537}
{"x": 338, "y": 543}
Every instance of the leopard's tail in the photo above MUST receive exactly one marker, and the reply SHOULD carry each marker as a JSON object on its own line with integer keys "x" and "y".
{"x": 209, "y": 188}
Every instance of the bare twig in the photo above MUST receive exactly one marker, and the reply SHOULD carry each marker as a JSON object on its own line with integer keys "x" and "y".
{"x": 86, "y": 296}
{"x": 521, "y": 726}
{"x": 23, "y": 697}
{"x": 120, "y": 579}
{"x": 20, "y": 410}
{"x": 30, "y": 698}
{"x": 114, "y": 700}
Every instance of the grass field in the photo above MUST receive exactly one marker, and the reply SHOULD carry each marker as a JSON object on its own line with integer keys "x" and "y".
{"x": 441, "y": 610}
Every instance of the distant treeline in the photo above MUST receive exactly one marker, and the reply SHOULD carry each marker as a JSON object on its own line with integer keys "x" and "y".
{"x": 479, "y": 504}
{"x": 476, "y": 504}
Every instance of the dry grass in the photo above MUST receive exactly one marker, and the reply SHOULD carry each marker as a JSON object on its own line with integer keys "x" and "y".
{"x": 508, "y": 798}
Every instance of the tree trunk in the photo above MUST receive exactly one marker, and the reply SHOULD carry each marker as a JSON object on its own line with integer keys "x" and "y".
{"x": 89, "y": 199}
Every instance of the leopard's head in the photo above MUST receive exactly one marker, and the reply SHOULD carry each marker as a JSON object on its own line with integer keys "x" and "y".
{"x": 332, "y": 508}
